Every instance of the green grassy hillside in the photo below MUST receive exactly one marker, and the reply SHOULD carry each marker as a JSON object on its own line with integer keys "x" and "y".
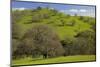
{"x": 63, "y": 24}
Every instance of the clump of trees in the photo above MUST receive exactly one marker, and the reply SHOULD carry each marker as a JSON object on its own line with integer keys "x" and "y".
{"x": 83, "y": 44}
{"x": 42, "y": 39}
{"x": 90, "y": 39}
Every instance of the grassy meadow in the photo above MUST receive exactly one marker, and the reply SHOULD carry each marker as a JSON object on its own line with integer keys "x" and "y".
{"x": 35, "y": 61}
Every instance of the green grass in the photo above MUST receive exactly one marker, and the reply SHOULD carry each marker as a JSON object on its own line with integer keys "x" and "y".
{"x": 67, "y": 59}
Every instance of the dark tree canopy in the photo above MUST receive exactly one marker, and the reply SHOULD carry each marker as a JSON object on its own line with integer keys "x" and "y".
{"x": 45, "y": 40}
{"x": 88, "y": 39}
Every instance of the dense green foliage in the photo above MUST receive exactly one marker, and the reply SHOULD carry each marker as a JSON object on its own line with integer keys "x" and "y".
{"x": 51, "y": 33}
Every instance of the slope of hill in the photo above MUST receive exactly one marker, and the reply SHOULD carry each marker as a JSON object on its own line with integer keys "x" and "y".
{"x": 63, "y": 24}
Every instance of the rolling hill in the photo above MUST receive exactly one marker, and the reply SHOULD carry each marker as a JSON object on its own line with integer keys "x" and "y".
{"x": 63, "y": 24}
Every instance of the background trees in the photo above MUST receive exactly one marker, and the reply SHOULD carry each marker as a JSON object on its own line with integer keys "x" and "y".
{"x": 82, "y": 44}
{"x": 88, "y": 40}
